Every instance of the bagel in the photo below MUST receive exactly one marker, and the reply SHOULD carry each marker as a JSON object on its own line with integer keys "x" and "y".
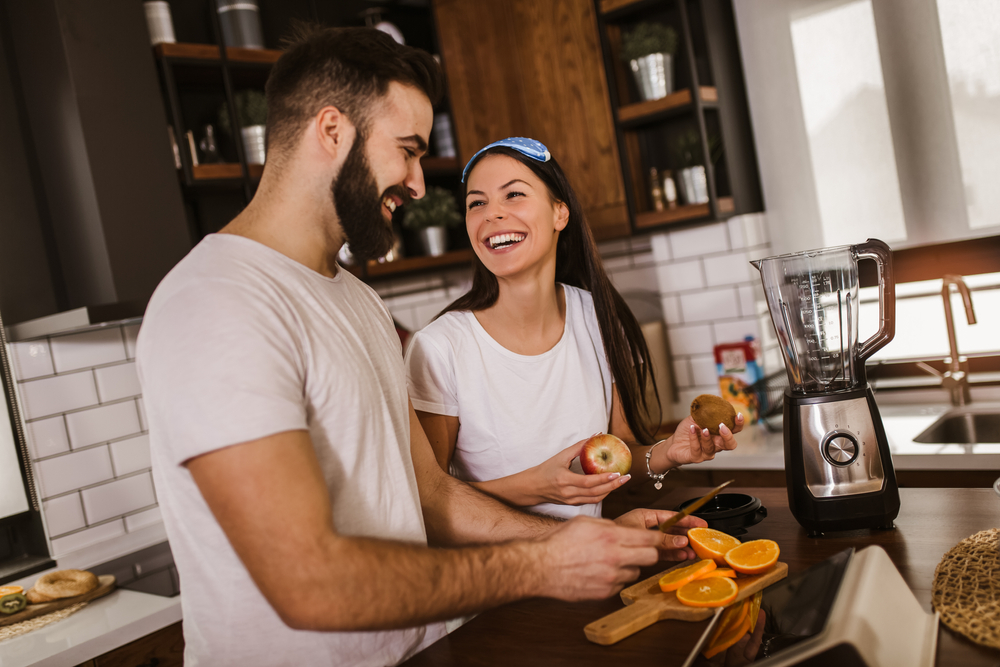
{"x": 65, "y": 584}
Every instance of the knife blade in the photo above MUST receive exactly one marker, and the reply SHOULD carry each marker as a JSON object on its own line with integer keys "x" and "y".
{"x": 693, "y": 507}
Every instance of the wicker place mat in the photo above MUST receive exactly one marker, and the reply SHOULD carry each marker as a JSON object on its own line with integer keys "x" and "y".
{"x": 967, "y": 588}
{"x": 11, "y": 631}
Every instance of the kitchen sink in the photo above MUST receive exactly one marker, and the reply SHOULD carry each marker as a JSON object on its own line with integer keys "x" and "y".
{"x": 968, "y": 425}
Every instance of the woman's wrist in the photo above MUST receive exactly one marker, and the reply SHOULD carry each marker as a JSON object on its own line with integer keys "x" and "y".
{"x": 659, "y": 460}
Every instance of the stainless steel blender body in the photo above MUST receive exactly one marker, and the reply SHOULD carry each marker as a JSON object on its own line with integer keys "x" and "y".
{"x": 837, "y": 463}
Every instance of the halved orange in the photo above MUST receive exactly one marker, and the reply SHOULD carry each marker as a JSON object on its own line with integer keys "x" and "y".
{"x": 711, "y": 592}
{"x": 753, "y": 557}
{"x": 10, "y": 590}
{"x": 727, "y": 639}
{"x": 674, "y": 579}
{"x": 732, "y": 617}
{"x": 720, "y": 572}
{"x": 714, "y": 544}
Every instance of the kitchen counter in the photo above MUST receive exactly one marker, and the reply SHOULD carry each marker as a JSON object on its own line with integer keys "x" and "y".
{"x": 762, "y": 449}
{"x": 549, "y": 632}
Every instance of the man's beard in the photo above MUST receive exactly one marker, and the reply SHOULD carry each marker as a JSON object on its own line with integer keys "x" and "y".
{"x": 359, "y": 205}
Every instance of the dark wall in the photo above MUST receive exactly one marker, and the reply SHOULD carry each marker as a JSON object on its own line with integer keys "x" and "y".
{"x": 27, "y": 288}
{"x": 100, "y": 131}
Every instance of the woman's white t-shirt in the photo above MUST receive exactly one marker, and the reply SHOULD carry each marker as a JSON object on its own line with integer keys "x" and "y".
{"x": 514, "y": 411}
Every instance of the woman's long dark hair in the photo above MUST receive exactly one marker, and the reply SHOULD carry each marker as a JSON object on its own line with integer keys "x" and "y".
{"x": 579, "y": 264}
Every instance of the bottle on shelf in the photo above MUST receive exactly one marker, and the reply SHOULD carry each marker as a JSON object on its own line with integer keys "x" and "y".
{"x": 656, "y": 190}
{"x": 669, "y": 189}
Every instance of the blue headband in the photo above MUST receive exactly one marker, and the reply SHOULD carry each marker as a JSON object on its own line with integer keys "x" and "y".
{"x": 536, "y": 150}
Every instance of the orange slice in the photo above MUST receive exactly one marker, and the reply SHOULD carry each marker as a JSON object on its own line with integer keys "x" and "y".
{"x": 732, "y": 617}
{"x": 754, "y": 608}
{"x": 720, "y": 572}
{"x": 10, "y": 590}
{"x": 710, "y": 592}
{"x": 713, "y": 544}
{"x": 753, "y": 557}
{"x": 727, "y": 639}
{"x": 674, "y": 579}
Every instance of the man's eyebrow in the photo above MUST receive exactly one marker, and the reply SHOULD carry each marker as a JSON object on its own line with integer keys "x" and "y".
{"x": 417, "y": 140}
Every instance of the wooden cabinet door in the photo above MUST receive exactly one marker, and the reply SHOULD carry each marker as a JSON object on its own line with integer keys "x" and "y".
{"x": 534, "y": 68}
{"x": 163, "y": 648}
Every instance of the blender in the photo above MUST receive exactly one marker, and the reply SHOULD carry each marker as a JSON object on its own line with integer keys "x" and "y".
{"x": 837, "y": 464}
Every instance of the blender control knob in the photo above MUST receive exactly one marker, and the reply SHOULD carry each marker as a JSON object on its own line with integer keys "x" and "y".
{"x": 840, "y": 448}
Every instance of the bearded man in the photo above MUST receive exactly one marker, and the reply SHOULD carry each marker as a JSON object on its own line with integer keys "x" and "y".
{"x": 298, "y": 490}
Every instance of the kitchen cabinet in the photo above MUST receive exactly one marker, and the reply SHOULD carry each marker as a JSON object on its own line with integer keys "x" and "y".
{"x": 163, "y": 648}
{"x": 705, "y": 115}
{"x": 535, "y": 69}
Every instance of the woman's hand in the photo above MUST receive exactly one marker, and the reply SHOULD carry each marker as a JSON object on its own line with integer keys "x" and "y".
{"x": 691, "y": 444}
{"x": 553, "y": 482}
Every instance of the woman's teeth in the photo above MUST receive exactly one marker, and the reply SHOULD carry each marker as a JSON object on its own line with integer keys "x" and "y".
{"x": 504, "y": 240}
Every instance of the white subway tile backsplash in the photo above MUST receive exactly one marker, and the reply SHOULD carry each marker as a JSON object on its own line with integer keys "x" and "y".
{"x": 697, "y": 241}
{"x": 748, "y": 300}
{"x": 641, "y": 245}
{"x": 101, "y": 424}
{"x": 117, "y": 382}
{"x": 661, "y": 247}
{"x": 736, "y": 330}
{"x": 616, "y": 247}
{"x": 32, "y": 359}
{"x": 47, "y": 437}
{"x": 709, "y": 305}
{"x": 671, "y": 310}
{"x": 682, "y": 372}
{"x": 88, "y": 537}
{"x": 73, "y": 471}
{"x": 408, "y": 300}
{"x": 131, "y": 332}
{"x": 143, "y": 519}
{"x": 613, "y": 264}
{"x": 737, "y": 238}
{"x": 680, "y": 276}
{"x": 131, "y": 455}
{"x": 703, "y": 371}
{"x": 141, "y": 408}
{"x": 644, "y": 258}
{"x": 727, "y": 269}
{"x": 405, "y": 317}
{"x": 90, "y": 348}
{"x": 686, "y": 340}
{"x": 424, "y": 313}
{"x": 755, "y": 229}
{"x": 63, "y": 514}
{"x": 636, "y": 280}
{"x": 118, "y": 497}
{"x": 53, "y": 395}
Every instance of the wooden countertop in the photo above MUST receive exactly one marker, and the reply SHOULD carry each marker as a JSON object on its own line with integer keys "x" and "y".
{"x": 549, "y": 632}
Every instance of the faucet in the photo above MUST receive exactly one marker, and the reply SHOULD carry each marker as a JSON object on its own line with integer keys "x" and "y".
{"x": 956, "y": 378}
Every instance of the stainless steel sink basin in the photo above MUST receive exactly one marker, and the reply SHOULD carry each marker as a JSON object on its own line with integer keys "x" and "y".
{"x": 967, "y": 425}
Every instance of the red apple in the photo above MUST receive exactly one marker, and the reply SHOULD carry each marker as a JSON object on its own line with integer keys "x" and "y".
{"x": 605, "y": 453}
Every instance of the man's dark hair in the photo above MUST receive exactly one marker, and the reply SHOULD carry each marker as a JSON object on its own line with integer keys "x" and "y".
{"x": 348, "y": 68}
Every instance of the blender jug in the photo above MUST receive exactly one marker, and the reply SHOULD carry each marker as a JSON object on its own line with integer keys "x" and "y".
{"x": 813, "y": 300}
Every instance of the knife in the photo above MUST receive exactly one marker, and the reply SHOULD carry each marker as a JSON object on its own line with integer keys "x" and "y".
{"x": 693, "y": 507}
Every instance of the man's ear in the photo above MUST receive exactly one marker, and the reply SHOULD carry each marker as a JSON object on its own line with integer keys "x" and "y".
{"x": 334, "y": 132}
{"x": 562, "y": 216}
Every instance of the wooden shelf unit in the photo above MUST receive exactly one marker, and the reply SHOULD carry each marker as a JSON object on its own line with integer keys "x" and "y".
{"x": 454, "y": 258}
{"x": 436, "y": 166}
{"x": 677, "y": 101}
{"x": 224, "y": 170}
{"x": 212, "y": 53}
{"x": 650, "y": 219}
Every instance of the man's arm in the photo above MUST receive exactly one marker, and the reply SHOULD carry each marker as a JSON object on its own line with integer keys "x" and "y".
{"x": 270, "y": 498}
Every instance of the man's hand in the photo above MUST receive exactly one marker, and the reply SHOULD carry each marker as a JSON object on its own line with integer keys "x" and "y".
{"x": 591, "y": 559}
{"x": 674, "y": 544}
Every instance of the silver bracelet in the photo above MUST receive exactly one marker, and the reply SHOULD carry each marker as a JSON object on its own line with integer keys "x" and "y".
{"x": 649, "y": 471}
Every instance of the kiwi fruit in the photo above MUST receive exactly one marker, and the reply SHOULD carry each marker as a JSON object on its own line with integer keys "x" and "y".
{"x": 13, "y": 603}
{"x": 709, "y": 411}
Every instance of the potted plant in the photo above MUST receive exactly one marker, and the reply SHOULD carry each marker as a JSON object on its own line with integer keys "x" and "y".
{"x": 648, "y": 48}
{"x": 251, "y": 110}
{"x": 430, "y": 216}
{"x": 690, "y": 164}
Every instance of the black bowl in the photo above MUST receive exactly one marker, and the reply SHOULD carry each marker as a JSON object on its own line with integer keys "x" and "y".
{"x": 731, "y": 513}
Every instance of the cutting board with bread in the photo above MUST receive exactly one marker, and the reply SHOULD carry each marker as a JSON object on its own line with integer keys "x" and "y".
{"x": 52, "y": 592}
{"x": 646, "y": 604}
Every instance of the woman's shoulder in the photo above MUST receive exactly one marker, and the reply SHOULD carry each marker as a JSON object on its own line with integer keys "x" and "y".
{"x": 581, "y": 299}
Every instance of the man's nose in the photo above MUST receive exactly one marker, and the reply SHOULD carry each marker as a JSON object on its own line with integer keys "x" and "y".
{"x": 415, "y": 181}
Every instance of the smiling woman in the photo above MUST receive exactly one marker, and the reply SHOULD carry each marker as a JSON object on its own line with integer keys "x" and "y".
{"x": 512, "y": 378}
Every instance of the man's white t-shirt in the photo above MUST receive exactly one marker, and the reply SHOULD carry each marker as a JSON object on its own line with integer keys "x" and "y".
{"x": 514, "y": 411}
{"x": 240, "y": 342}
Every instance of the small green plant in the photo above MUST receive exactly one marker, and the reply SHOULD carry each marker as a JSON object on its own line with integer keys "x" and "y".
{"x": 687, "y": 149}
{"x": 646, "y": 38}
{"x": 437, "y": 208}
{"x": 251, "y": 109}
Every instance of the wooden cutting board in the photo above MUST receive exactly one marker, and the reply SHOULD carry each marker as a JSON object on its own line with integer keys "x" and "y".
{"x": 106, "y": 584}
{"x": 646, "y": 604}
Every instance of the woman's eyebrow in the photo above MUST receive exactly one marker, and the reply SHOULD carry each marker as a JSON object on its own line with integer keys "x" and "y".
{"x": 474, "y": 192}
{"x": 516, "y": 180}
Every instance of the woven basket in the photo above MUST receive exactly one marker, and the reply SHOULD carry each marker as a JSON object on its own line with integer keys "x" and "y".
{"x": 967, "y": 588}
